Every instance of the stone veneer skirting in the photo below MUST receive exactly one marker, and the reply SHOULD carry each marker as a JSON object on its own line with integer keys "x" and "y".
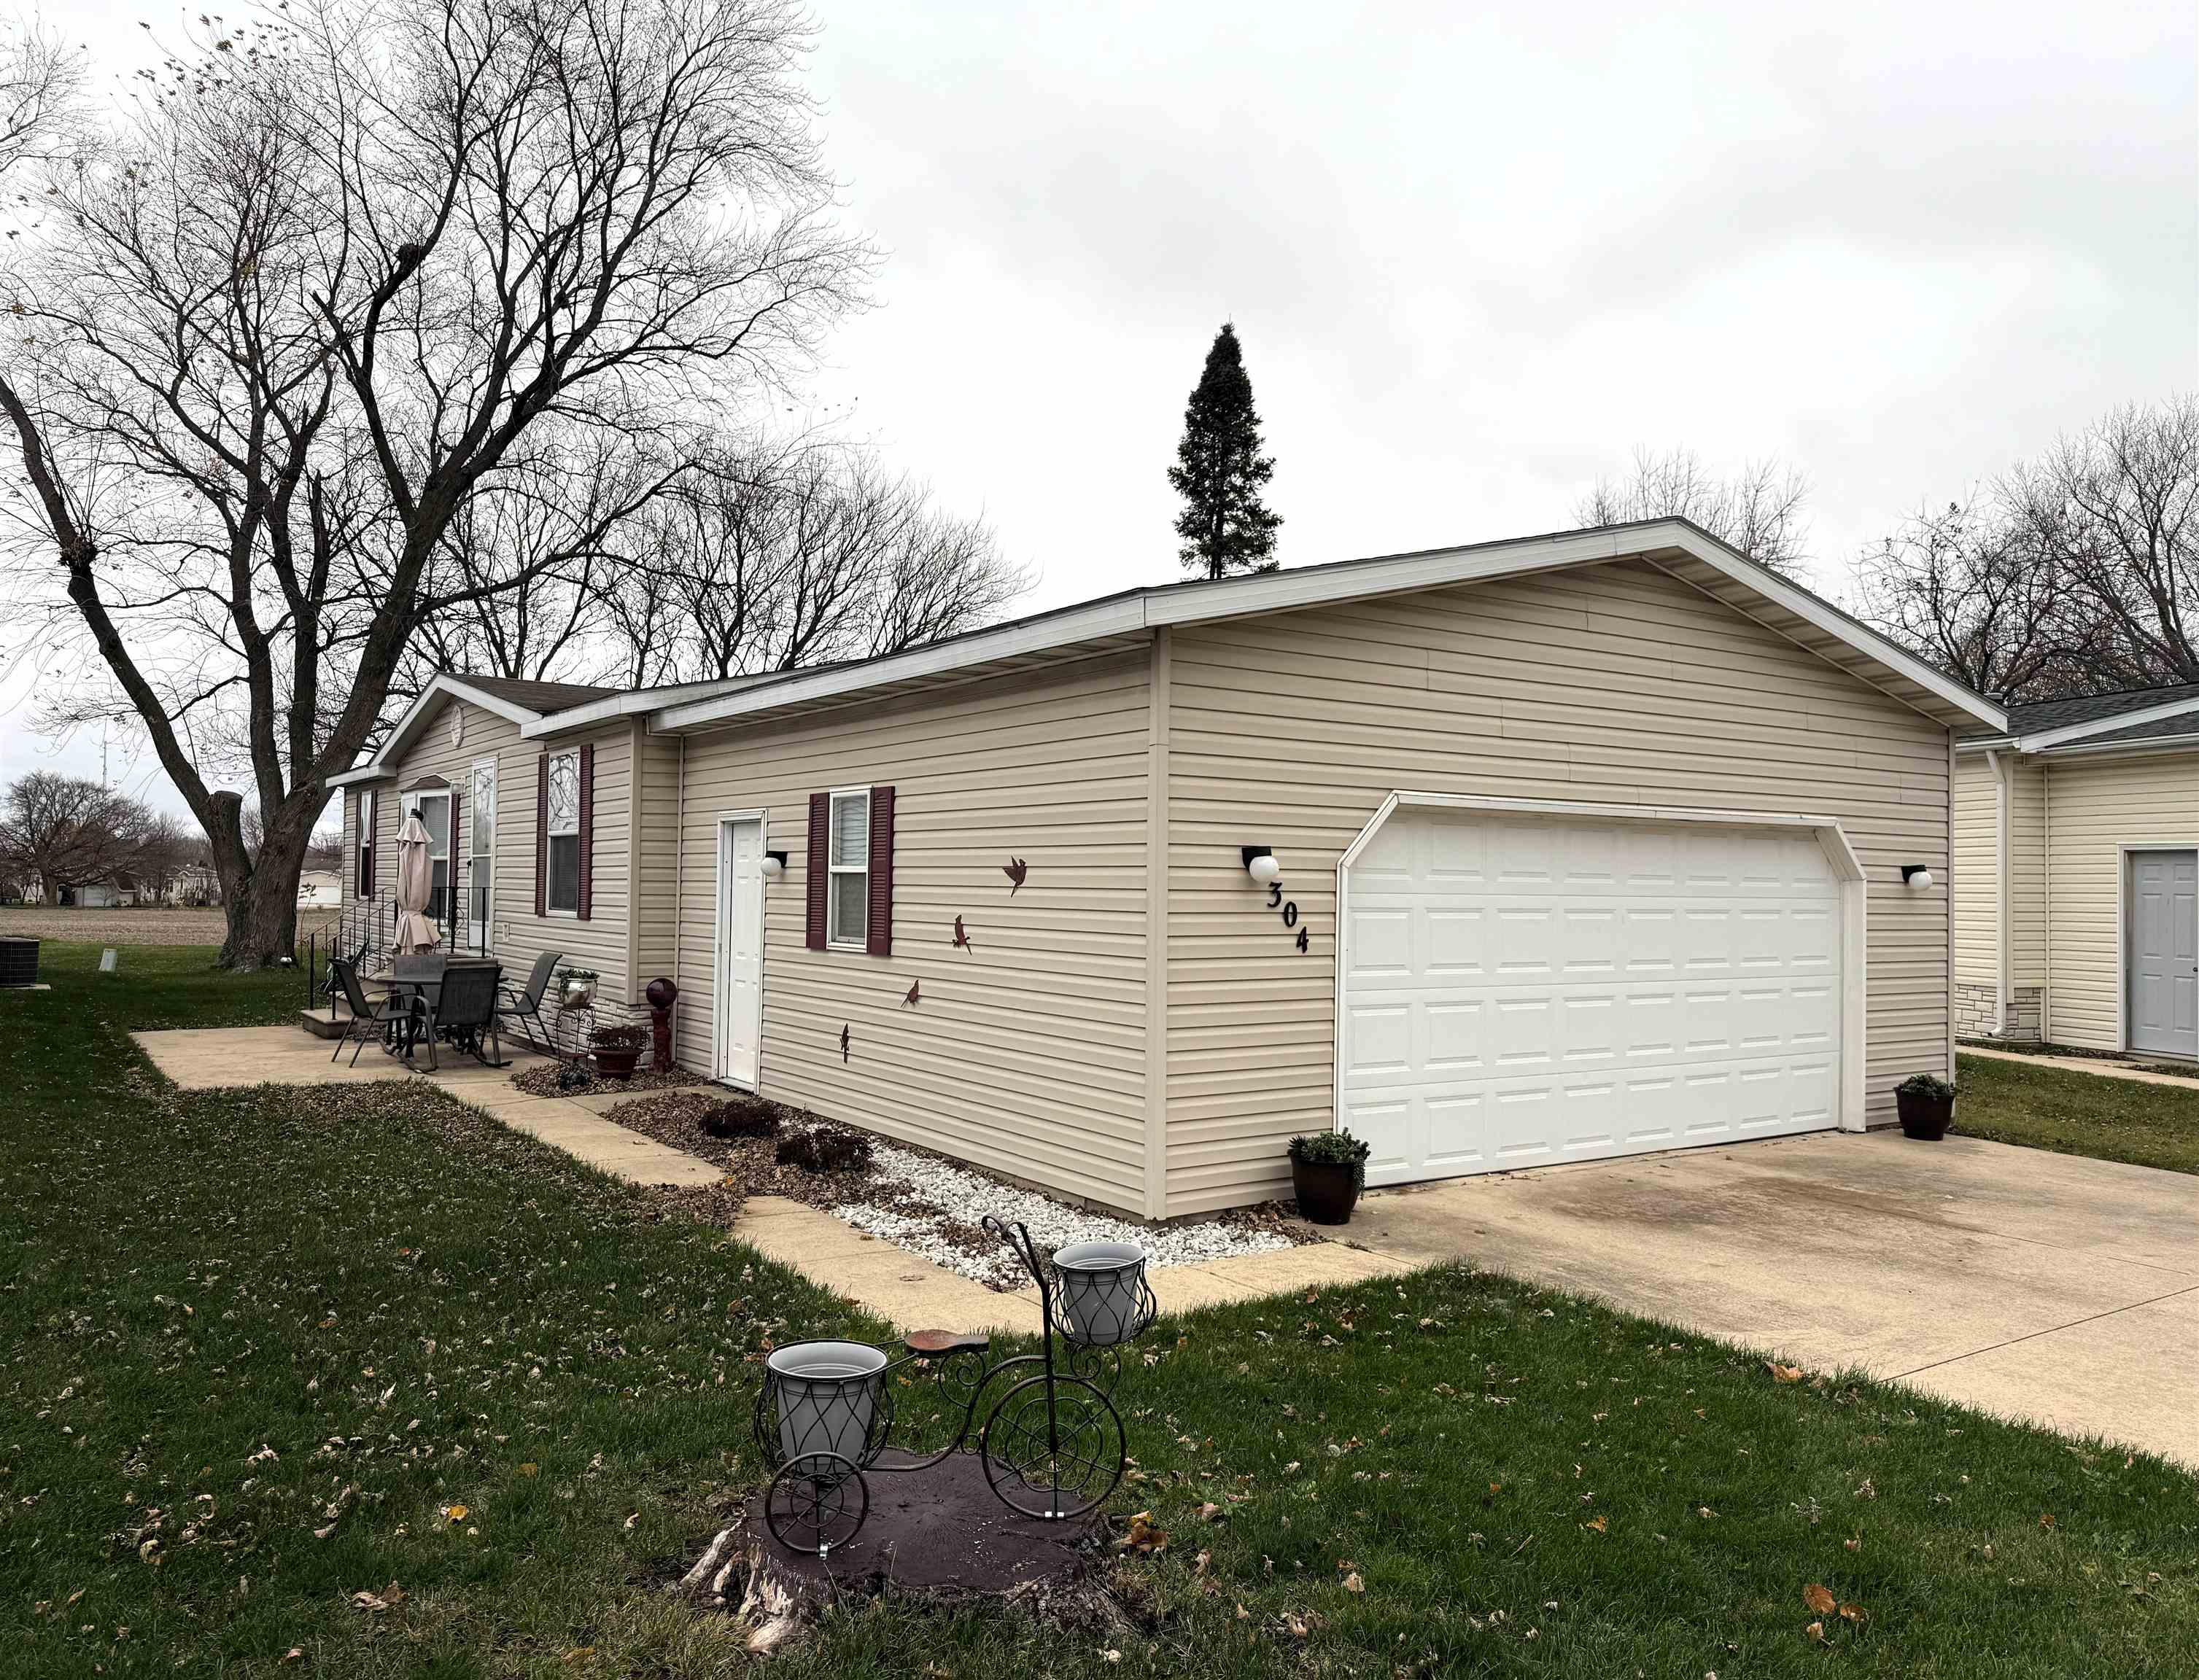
{"x": 1977, "y": 1012}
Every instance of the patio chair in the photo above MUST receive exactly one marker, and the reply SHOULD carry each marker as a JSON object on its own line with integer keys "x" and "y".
{"x": 465, "y": 1009}
{"x": 377, "y": 1015}
{"x": 524, "y": 1003}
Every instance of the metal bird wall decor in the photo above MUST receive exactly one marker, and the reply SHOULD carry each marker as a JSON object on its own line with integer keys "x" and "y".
{"x": 843, "y": 1044}
{"x": 962, "y": 934}
{"x": 910, "y": 1002}
{"x": 1015, "y": 869}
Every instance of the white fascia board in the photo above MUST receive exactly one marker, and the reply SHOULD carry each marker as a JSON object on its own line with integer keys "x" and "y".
{"x": 1985, "y": 743}
{"x": 368, "y": 771}
{"x": 1116, "y": 617}
{"x": 628, "y": 704}
{"x": 1312, "y": 586}
{"x": 407, "y": 726}
{"x": 2121, "y": 720}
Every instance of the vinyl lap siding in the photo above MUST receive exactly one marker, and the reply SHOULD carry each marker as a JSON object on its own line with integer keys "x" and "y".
{"x": 2094, "y": 810}
{"x": 1976, "y": 876}
{"x": 1616, "y": 682}
{"x": 517, "y": 935}
{"x": 2026, "y": 873}
{"x": 1024, "y": 1055}
{"x": 656, "y": 900}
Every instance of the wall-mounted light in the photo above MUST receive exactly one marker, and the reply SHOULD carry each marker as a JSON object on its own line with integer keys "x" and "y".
{"x": 1262, "y": 864}
{"x": 1916, "y": 877}
{"x": 774, "y": 863}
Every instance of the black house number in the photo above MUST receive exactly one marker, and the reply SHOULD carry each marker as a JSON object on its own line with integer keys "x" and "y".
{"x": 1289, "y": 913}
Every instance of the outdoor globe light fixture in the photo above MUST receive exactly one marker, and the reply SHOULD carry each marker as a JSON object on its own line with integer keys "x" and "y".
{"x": 1917, "y": 877}
{"x": 774, "y": 863}
{"x": 1262, "y": 865}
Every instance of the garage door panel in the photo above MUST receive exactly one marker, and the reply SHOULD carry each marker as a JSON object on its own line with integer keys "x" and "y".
{"x": 1573, "y": 991}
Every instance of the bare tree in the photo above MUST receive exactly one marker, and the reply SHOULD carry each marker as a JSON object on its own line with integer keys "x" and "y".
{"x": 2072, "y": 574}
{"x": 41, "y": 94}
{"x": 164, "y": 850}
{"x": 807, "y": 554}
{"x": 1759, "y": 511}
{"x": 65, "y": 832}
{"x": 316, "y": 295}
{"x": 2114, "y": 511}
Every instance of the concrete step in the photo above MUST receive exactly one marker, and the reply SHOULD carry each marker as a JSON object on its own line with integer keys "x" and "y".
{"x": 317, "y": 1022}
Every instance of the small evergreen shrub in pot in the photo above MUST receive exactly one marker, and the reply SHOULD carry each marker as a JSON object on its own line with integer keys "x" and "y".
{"x": 1926, "y": 1103}
{"x": 616, "y": 1048}
{"x": 1328, "y": 1169}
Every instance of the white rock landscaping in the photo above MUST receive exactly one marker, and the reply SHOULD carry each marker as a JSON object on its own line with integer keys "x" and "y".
{"x": 946, "y": 1237}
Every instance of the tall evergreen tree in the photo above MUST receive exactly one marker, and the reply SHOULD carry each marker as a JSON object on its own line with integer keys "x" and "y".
{"x": 1225, "y": 526}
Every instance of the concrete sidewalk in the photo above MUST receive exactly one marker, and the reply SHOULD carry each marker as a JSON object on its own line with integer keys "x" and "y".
{"x": 219, "y": 1058}
{"x": 2082, "y": 1064}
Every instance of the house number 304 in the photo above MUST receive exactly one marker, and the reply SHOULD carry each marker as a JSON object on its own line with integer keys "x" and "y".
{"x": 1290, "y": 911}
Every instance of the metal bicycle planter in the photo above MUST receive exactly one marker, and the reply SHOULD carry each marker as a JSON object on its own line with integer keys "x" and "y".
{"x": 1052, "y": 1445}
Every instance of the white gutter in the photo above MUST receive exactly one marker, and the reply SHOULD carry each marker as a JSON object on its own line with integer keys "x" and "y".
{"x": 1148, "y": 609}
{"x": 2155, "y": 743}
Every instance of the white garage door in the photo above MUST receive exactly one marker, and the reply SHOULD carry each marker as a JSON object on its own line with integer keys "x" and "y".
{"x": 1521, "y": 991}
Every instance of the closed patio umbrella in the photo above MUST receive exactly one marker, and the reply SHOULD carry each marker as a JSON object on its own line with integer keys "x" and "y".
{"x": 416, "y": 930}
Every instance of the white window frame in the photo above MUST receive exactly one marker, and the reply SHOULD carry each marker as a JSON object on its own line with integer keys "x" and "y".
{"x": 364, "y": 852}
{"x": 833, "y": 871}
{"x": 551, "y": 831}
{"x": 419, "y": 798}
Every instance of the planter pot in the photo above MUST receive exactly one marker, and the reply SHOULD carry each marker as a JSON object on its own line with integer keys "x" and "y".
{"x": 1923, "y": 1115}
{"x": 1326, "y": 1190}
{"x": 617, "y": 1063}
{"x": 19, "y": 962}
{"x": 576, "y": 994}
{"x": 1102, "y": 1296}
{"x": 823, "y": 1397}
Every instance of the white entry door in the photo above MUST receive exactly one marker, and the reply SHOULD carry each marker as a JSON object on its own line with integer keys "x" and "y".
{"x": 1519, "y": 991}
{"x": 739, "y": 1008}
{"x": 2164, "y": 952}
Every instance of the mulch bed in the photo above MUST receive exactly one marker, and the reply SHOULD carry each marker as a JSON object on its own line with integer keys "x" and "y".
{"x": 541, "y": 1080}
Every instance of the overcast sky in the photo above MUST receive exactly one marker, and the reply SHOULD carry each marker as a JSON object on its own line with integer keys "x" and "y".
{"x": 1478, "y": 258}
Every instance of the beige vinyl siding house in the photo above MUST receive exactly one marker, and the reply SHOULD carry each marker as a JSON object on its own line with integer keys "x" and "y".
{"x": 1138, "y": 1025}
{"x": 1553, "y": 849}
{"x": 2063, "y": 824}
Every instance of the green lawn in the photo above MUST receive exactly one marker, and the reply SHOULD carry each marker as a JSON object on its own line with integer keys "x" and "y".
{"x": 260, "y": 1348}
{"x": 2078, "y": 1113}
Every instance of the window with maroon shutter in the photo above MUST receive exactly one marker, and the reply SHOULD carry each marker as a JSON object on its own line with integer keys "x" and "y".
{"x": 880, "y": 940}
{"x": 568, "y": 781}
{"x": 821, "y": 821}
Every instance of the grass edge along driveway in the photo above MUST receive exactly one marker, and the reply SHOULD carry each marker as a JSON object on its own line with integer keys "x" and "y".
{"x": 270, "y": 1350}
{"x": 2074, "y": 1113}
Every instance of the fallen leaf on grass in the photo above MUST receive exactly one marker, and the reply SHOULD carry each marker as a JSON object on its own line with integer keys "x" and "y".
{"x": 1599, "y": 1524}
{"x": 530, "y": 1469}
{"x": 1821, "y": 1603}
{"x": 1783, "y": 1373}
{"x": 1851, "y": 1613}
{"x": 2046, "y": 1519}
{"x": 1143, "y": 1536}
{"x": 1353, "y": 1584}
{"x": 1211, "y": 1512}
{"x": 375, "y": 1603}
{"x": 1817, "y": 1631}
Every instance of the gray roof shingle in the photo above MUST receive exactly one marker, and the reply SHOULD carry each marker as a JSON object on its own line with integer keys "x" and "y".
{"x": 542, "y": 698}
{"x": 2054, "y": 714}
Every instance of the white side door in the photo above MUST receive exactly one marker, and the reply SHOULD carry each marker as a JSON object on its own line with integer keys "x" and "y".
{"x": 740, "y": 949}
{"x": 2164, "y": 952}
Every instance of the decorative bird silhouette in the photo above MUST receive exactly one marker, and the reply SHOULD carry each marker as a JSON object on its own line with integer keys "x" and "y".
{"x": 1015, "y": 869}
{"x": 910, "y": 1002}
{"x": 843, "y": 1044}
{"x": 962, "y": 934}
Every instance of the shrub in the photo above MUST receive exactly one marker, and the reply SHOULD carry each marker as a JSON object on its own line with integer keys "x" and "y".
{"x": 621, "y": 1038}
{"x": 817, "y": 1150}
{"x": 1333, "y": 1149}
{"x": 1925, "y": 1084}
{"x": 737, "y": 1119}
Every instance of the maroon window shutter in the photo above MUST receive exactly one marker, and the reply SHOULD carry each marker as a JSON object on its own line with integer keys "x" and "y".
{"x": 541, "y": 831}
{"x": 819, "y": 880}
{"x": 587, "y": 830}
{"x": 880, "y": 940}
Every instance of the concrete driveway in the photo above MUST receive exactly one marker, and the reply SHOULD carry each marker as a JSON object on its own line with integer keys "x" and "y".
{"x": 2046, "y": 1287}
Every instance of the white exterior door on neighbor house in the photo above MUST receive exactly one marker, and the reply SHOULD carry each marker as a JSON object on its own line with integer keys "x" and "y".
{"x": 2164, "y": 952}
{"x": 1519, "y": 990}
{"x": 739, "y": 988}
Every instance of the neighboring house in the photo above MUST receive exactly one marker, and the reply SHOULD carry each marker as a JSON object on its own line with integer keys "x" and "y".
{"x": 1588, "y": 845}
{"x": 198, "y": 884}
{"x": 112, "y": 893}
{"x": 2077, "y": 843}
{"x": 320, "y": 889}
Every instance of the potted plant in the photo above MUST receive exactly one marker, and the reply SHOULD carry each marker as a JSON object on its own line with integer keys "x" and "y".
{"x": 1328, "y": 1169}
{"x": 616, "y": 1048}
{"x": 1926, "y": 1103}
{"x": 576, "y": 988}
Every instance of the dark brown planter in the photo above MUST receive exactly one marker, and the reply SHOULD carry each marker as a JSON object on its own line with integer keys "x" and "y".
{"x": 617, "y": 1063}
{"x": 1326, "y": 1190}
{"x": 1923, "y": 1115}
{"x": 19, "y": 962}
